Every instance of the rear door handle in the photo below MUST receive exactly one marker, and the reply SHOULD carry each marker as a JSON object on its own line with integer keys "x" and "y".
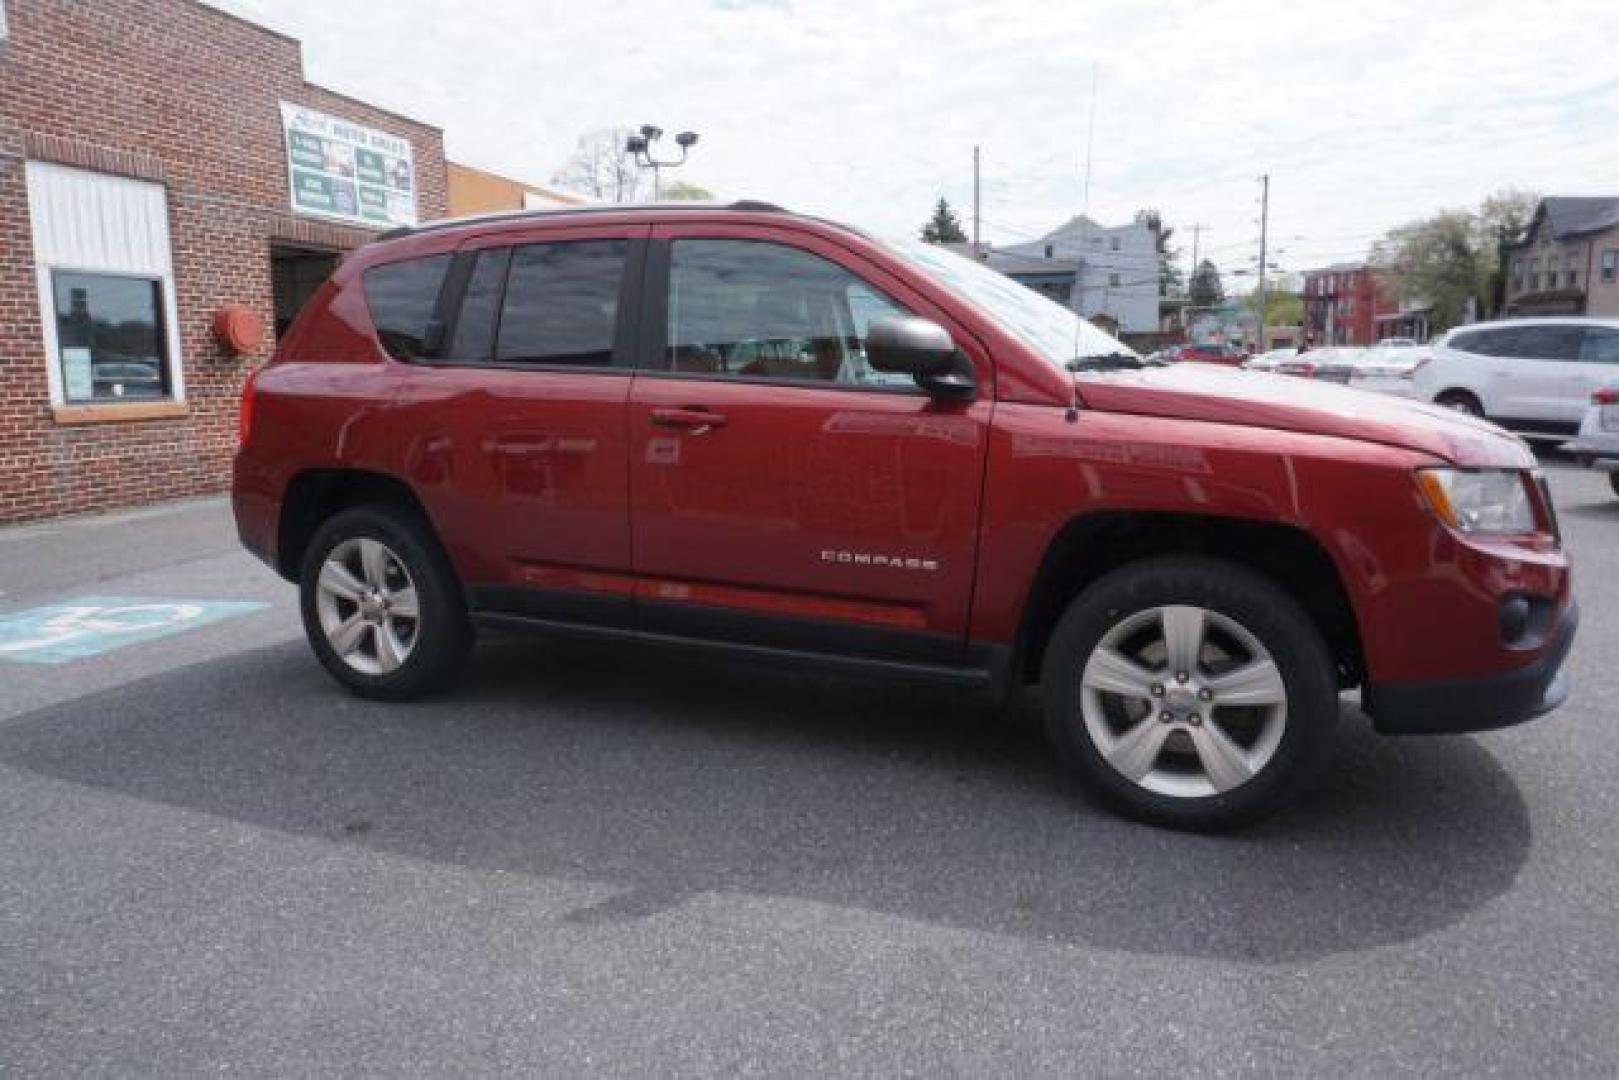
{"x": 693, "y": 418}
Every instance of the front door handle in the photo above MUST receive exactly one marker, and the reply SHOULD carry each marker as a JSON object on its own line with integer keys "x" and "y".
{"x": 693, "y": 418}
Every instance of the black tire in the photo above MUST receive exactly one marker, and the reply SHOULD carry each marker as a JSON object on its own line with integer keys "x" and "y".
{"x": 1613, "y": 482}
{"x": 442, "y": 634}
{"x": 1258, "y": 606}
{"x": 1461, "y": 401}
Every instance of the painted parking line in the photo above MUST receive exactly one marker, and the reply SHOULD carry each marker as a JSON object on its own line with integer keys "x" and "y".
{"x": 91, "y": 625}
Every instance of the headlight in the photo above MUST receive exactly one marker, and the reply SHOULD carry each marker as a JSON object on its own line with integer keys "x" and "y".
{"x": 1485, "y": 502}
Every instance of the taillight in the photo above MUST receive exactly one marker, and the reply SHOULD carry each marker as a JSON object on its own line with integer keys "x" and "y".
{"x": 1608, "y": 395}
{"x": 244, "y": 428}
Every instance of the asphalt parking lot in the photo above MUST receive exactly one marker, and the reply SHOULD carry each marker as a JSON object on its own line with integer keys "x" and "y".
{"x": 599, "y": 859}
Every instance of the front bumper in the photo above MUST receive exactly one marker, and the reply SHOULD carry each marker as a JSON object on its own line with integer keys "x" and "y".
{"x": 1453, "y": 706}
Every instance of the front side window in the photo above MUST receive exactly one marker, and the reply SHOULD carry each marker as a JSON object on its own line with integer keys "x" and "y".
{"x": 561, "y": 303}
{"x": 751, "y": 309}
{"x": 111, "y": 341}
{"x": 1600, "y": 345}
{"x": 403, "y": 297}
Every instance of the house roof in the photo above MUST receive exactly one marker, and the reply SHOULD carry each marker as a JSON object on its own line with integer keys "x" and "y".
{"x": 1574, "y": 216}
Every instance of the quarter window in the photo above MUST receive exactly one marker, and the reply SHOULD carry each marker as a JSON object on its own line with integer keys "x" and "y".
{"x": 561, "y": 303}
{"x": 110, "y": 337}
{"x": 744, "y": 309}
{"x": 403, "y": 297}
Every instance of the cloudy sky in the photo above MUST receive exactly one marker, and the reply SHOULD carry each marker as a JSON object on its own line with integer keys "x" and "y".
{"x": 867, "y": 110}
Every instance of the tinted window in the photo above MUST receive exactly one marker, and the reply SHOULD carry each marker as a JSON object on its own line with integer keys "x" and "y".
{"x": 751, "y": 309}
{"x": 1470, "y": 342}
{"x": 110, "y": 337}
{"x": 402, "y": 297}
{"x": 475, "y": 324}
{"x": 1547, "y": 342}
{"x": 561, "y": 303}
{"x": 1601, "y": 345}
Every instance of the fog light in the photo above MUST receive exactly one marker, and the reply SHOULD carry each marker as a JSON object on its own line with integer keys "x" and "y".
{"x": 1514, "y": 619}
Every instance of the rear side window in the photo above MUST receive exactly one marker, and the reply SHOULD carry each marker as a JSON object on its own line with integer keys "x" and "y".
{"x": 1470, "y": 342}
{"x": 1601, "y": 345}
{"x": 561, "y": 304}
{"x": 1548, "y": 342}
{"x": 403, "y": 298}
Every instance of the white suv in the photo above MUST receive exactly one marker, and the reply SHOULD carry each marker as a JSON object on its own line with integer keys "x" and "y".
{"x": 1533, "y": 375}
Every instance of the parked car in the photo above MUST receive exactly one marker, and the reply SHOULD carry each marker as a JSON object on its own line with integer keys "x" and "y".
{"x": 1532, "y": 375}
{"x": 1598, "y": 444}
{"x": 1227, "y": 355}
{"x": 563, "y": 422}
{"x": 1386, "y": 369}
{"x": 1268, "y": 361}
{"x": 1305, "y": 364}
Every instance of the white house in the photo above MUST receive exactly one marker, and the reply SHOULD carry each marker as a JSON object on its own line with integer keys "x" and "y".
{"x": 1116, "y": 276}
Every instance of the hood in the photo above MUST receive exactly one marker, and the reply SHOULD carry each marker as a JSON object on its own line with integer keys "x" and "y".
{"x": 1220, "y": 395}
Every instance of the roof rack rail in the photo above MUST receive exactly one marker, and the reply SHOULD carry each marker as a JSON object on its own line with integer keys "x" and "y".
{"x": 753, "y": 206}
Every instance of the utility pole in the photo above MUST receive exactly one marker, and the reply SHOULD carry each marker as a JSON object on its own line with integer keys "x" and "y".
{"x": 975, "y": 202}
{"x": 1264, "y": 226}
{"x": 1197, "y": 238}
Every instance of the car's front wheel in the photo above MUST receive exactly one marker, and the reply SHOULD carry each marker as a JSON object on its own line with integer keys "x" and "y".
{"x": 1190, "y": 692}
{"x": 381, "y": 606}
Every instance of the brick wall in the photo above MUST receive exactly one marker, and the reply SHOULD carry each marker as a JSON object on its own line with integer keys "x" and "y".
{"x": 178, "y": 92}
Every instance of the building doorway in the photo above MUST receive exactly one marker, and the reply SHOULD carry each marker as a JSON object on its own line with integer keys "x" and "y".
{"x": 295, "y": 274}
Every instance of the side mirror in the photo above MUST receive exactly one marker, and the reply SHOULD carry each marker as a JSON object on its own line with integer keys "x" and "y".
{"x": 910, "y": 345}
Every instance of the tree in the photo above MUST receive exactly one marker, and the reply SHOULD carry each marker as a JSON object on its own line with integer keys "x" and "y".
{"x": 685, "y": 191}
{"x": 943, "y": 227}
{"x": 1170, "y": 279}
{"x": 1206, "y": 289}
{"x": 1284, "y": 305}
{"x": 600, "y": 169}
{"x": 1453, "y": 260}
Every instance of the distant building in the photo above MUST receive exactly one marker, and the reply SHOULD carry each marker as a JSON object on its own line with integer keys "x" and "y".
{"x": 1342, "y": 302}
{"x": 1108, "y": 275}
{"x": 476, "y": 191}
{"x": 1568, "y": 260}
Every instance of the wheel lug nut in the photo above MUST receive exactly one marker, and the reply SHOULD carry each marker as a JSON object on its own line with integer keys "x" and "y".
{"x": 1167, "y": 717}
{"x": 1205, "y": 694}
{"x": 1157, "y": 689}
{"x": 1194, "y": 720}
{"x": 1181, "y": 676}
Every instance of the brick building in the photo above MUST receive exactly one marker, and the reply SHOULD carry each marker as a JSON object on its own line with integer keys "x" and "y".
{"x": 162, "y": 161}
{"x": 1342, "y": 302}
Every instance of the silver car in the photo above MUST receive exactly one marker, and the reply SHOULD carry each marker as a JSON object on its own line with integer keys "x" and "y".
{"x": 1598, "y": 443}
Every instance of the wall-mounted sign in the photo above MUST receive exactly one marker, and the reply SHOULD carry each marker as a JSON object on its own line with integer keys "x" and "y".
{"x": 346, "y": 171}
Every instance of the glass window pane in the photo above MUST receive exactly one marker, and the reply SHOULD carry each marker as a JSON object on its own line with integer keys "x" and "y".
{"x": 475, "y": 325}
{"x": 562, "y": 303}
{"x": 1601, "y": 345}
{"x": 752, "y": 309}
{"x": 403, "y": 297}
{"x": 1547, "y": 342}
{"x": 110, "y": 336}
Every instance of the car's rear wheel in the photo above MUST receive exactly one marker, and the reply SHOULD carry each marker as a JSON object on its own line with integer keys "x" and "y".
{"x": 1613, "y": 482}
{"x": 381, "y": 606}
{"x": 1190, "y": 692}
{"x": 1461, "y": 401}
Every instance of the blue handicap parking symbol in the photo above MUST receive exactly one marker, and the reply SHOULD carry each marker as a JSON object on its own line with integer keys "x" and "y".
{"x": 91, "y": 625}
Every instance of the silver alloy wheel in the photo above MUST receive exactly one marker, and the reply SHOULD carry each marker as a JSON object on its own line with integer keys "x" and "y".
{"x": 367, "y": 605}
{"x": 1183, "y": 701}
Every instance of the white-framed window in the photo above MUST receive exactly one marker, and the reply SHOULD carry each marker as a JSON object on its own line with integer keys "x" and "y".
{"x": 106, "y": 286}
{"x": 1610, "y": 265}
{"x": 3, "y": 31}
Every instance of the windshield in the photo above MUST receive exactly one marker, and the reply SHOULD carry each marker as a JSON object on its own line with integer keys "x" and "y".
{"x": 1053, "y": 331}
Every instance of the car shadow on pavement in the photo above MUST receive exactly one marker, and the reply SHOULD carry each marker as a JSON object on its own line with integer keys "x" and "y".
{"x": 669, "y": 777}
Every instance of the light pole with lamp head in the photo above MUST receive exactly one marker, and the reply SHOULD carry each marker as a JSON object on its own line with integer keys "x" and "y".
{"x": 640, "y": 147}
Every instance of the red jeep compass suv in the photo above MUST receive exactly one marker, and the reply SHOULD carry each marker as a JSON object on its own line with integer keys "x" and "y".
{"x": 739, "y": 428}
